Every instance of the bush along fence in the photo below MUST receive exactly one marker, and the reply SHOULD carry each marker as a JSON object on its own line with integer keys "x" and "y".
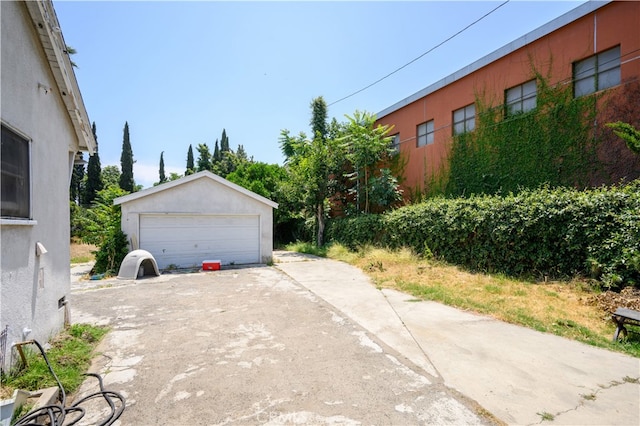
{"x": 554, "y": 233}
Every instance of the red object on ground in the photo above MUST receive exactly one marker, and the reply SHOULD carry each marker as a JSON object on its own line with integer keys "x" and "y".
{"x": 210, "y": 265}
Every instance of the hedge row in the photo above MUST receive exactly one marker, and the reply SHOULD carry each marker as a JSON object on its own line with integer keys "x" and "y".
{"x": 556, "y": 233}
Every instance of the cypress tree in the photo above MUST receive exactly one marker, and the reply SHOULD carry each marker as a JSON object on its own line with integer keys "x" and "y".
{"x": 190, "y": 164}
{"x": 224, "y": 142}
{"x": 75, "y": 190}
{"x": 217, "y": 156}
{"x": 241, "y": 154}
{"x": 94, "y": 174}
{"x": 126, "y": 162}
{"x": 319, "y": 117}
{"x": 163, "y": 177}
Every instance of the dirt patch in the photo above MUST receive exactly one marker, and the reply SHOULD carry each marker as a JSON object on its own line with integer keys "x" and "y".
{"x": 609, "y": 301}
{"x": 82, "y": 253}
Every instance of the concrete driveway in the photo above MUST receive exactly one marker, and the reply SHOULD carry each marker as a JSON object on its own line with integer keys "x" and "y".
{"x": 253, "y": 346}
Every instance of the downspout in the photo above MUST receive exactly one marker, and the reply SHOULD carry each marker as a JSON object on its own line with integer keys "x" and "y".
{"x": 595, "y": 32}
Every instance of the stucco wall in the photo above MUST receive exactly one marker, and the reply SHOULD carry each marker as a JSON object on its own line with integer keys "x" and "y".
{"x": 200, "y": 196}
{"x": 31, "y": 286}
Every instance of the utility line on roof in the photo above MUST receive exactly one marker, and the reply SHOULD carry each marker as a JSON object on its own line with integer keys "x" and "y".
{"x": 425, "y": 53}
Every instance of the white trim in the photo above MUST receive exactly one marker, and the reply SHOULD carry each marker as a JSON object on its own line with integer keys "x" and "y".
{"x": 629, "y": 60}
{"x": 47, "y": 28}
{"x": 595, "y": 32}
{"x": 200, "y": 175}
{"x": 18, "y": 222}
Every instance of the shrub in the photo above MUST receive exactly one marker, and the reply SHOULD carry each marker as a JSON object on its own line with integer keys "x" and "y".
{"x": 111, "y": 253}
{"x": 356, "y": 231}
{"x": 103, "y": 229}
{"x": 554, "y": 233}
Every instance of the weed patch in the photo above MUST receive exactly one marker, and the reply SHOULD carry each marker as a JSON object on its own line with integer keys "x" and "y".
{"x": 308, "y": 248}
{"x": 70, "y": 357}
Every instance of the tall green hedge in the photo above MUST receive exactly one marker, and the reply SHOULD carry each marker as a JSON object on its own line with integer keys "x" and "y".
{"x": 556, "y": 233}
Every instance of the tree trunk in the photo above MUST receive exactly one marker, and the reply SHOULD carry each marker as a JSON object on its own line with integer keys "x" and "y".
{"x": 366, "y": 190}
{"x": 320, "y": 222}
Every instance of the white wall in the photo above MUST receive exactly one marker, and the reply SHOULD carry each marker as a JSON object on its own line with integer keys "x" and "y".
{"x": 200, "y": 196}
{"x": 26, "y": 300}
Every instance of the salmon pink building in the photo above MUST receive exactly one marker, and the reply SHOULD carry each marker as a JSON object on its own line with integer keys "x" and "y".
{"x": 595, "y": 48}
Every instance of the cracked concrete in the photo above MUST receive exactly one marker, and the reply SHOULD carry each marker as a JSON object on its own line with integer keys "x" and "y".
{"x": 251, "y": 346}
{"x": 516, "y": 373}
{"x": 436, "y": 364}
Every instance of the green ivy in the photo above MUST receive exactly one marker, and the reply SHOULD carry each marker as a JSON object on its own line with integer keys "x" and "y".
{"x": 553, "y": 144}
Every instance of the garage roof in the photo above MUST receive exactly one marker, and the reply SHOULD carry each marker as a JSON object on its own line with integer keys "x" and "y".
{"x": 200, "y": 175}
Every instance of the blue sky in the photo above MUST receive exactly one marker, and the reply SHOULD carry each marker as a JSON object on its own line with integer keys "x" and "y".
{"x": 180, "y": 72}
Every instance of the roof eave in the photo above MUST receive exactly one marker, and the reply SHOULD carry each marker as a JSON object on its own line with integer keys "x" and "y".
{"x": 190, "y": 178}
{"x": 557, "y": 23}
{"x": 48, "y": 29}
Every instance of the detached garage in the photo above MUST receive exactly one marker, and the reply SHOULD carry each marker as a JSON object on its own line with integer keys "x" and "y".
{"x": 199, "y": 217}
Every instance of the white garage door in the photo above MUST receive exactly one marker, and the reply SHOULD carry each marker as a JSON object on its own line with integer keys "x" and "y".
{"x": 187, "y": 240}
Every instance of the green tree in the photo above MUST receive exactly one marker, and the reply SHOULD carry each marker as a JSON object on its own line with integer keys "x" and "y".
{"x": 262, "y": 178}
{"x": 311, "y": 165}
{"x": 229, "y": 162}
{"x": 204, "y": 157}
{"x": 269, "y": 180}
{"x": 190, "y": 163}
{"x": 77, "y": 177}
{"x": 216, "y": 153}
{"x": 367, "y": 146}
{"x": 224, "y": 142}
{"x": 163, "y": 177}
{"x": 628, "y": 133}
{"x": 103, "y": 229}
{"x": 110, "y": 176}
{"x": 94, "y": 178}
{"x": 319, "y": 117}
{"x": 126, "y": 162}
{"x": 242, "y": 154}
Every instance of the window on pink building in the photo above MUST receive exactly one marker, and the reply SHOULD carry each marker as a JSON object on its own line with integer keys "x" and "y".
{"x": 425, "y": 133}
{"x": 521, "y": 98}
{"x": 464, "y": 119}
{"x": 597, "y": 72}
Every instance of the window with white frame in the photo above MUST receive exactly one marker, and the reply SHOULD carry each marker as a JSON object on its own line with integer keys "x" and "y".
{"x": 15, "y": 171}
{"x": 597, "y": 72}
{"x": 395, "y": 143}
{"x": 464, "y": 119}
{"x": 521, "y": 98}
{"x": 425, "y": 133}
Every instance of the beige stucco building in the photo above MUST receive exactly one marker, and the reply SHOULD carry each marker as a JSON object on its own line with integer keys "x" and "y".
{"x": 199, "y": 217}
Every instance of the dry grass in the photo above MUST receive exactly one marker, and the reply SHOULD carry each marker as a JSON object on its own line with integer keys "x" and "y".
{"x": 556, "y": 307}
{"x": 82, "y": 253}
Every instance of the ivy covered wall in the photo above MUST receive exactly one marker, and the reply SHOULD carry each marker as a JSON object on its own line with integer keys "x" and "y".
{"x": 562, "y": 142}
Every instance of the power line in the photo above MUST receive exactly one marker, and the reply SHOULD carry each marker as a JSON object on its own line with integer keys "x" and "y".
{"x": 425, "y": 53}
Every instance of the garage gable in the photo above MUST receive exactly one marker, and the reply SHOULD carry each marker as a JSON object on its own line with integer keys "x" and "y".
{"x": 183, "y": 193}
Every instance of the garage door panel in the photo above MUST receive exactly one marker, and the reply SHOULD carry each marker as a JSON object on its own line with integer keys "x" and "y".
{"x": 187, "y": 240}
